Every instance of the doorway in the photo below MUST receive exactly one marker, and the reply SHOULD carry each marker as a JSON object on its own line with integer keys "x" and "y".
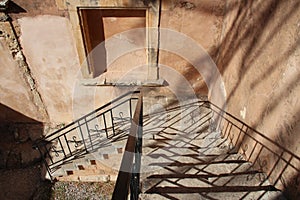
{"x": 99, "y": 24}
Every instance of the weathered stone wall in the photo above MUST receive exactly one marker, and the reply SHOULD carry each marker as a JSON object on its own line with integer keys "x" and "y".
{"x": 48, "y": 37}
{"x": 202, "y": 22}
{"x": 18, "y": 88}
{"x": 259, "y": 59}
{"x": 42, "y": 54}
{"x": 255, "y": 44}
{"x": 48, "y": 45}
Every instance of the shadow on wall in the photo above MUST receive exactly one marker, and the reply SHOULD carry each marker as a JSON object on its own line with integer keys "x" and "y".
{"x": 18, "y": 132}
{"x": 255, "y": 58}
{"x": 20, "y": 174}
{"x": 248, "y": 31}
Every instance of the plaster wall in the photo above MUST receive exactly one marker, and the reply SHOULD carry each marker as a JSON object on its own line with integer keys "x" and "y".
{"x": 51, "y": 44}
{"x": 48, "y": 45}
{"x": 13, "y": 89}
{"x": 259, "y": 60}
{"x": 202, "y": 22}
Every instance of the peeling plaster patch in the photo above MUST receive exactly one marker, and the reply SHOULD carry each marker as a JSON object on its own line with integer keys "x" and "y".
{"x": 243, "y": 112}
{"x": 187, "y": 5}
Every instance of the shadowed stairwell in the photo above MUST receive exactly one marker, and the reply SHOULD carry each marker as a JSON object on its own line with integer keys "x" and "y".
{"x": 184, "y": 158}
{"x": 189, "y": 151}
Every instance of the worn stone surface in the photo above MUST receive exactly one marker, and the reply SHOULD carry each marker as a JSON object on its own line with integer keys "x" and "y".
{"x": 182, "y": 158}
{"x": 17, "y": 84}
{"x": 53, "y": 61}
{"x": 200, "y": 21}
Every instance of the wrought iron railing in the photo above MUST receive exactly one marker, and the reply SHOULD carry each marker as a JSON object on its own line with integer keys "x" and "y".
{"x": 88, "y": 133}
{"x": 128, "y": 180}
{"x": 280, "y": 164}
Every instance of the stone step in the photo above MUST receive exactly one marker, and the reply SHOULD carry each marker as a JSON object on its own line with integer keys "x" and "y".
{"x": 177, "y": 151}
{"x": 232, "y": 193}
{"x": 89, "y": 178}
{"x": 184, "y": 142}
{"x": 88, "y": 166}
{"x": 208, "y": 171}
{"x": 109, "y": 152}
{"x": 213, "y": 181}
{"x": 95, "y": 172}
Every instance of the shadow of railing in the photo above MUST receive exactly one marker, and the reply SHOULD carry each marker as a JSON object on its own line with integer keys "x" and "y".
{"x": 199, "y": 157}
{"x": 199, "y": 174}
{"x": 280, "y": 164}
{"x": 88, "y": 134}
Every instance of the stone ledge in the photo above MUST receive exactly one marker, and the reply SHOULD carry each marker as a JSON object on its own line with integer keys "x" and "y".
{"x": 147, "y": 83}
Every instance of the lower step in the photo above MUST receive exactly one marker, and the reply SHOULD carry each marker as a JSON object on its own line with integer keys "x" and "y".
{"x": 221, "y": 193}
{"x": 88, "y": 178}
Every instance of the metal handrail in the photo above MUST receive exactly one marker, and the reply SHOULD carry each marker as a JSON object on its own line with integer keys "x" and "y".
{"x": 128, "y": 176}
{"x": 90, "y": 113}
{"x": 224, "y": 113}
{"x": 83, "y": 135}
{"x": 243, "y": 135}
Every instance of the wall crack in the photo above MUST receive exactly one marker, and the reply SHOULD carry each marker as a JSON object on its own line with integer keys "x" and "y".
{"x": 8, "y": 32}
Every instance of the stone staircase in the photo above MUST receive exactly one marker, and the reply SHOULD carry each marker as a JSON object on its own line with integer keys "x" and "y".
{"x": 100, "y": 165}
{"x": 184, "y": 159}
{"x": 90, "y": 148}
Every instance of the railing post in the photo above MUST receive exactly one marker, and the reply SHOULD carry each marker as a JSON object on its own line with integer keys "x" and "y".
{"x": 135, "y": 178}
{"x": 130, "y": 108}
{"x": 128, "y": 177}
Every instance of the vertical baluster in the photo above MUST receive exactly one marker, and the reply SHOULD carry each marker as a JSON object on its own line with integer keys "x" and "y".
{"x": 48, "y": 152}
{"x": 62, "y": 148}
{"x": 83, "y": 140}
{"x": 105, "y": 126}
{"x": 219, "y": 118}
{"x": 274, "y": 166}
{"x": 87, "y": 129}
{"x": 130, "y": 108}
{"x": 68, "y": 144}
{"x": 283, "y": 170}
{"x": 98, "y": 127}
{"x": 225, "y": 132}
{"x": 229, "y": 133}
{"x": 112, "y": 122}
{"x": 258, "y": 155}
{"x": 250, "y": 155}
{"x": 240, "y": 133}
